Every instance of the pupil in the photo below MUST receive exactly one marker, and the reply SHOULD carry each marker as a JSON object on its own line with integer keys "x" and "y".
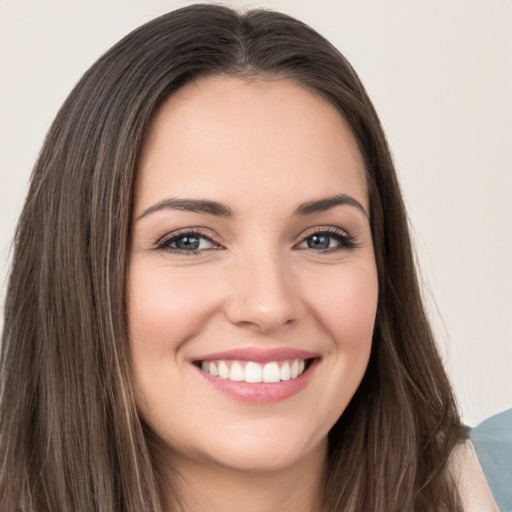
{"x": 188, "y": 243}
{"x": 318, "y": 242}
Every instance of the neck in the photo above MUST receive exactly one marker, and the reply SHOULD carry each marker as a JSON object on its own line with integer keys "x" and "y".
{"x": 200, "y": 485}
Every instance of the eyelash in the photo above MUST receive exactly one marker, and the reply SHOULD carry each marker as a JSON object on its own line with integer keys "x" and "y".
{"x": 165, "y": 243}
{"x": 346, "y": 242}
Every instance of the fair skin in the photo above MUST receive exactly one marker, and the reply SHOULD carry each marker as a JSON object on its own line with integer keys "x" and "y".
{"x": 251, "y": 247}
{"x": 473, "y": 489}
{"x": 280, "y": 266}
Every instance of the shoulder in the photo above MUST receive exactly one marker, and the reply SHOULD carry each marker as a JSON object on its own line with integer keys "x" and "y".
{"x": 469, "y": 477}
{"x": 492, "y": 440}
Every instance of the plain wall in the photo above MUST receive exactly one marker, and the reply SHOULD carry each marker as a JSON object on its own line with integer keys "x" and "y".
{"x": 440, "y": 75}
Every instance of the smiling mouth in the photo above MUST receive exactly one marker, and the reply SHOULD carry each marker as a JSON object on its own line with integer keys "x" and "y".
{"x": 258, "y": 376}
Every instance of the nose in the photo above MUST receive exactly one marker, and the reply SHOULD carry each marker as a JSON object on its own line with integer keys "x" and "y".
{"x": 263, "y": 296}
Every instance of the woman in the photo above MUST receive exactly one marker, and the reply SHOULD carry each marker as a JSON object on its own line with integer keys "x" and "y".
{"x": 213, "y": 303}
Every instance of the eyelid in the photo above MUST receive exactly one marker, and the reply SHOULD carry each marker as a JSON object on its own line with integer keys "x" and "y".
{"x": 324, "y": 229}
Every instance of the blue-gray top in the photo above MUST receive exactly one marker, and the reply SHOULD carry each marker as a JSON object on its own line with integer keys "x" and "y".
{"x": 493, "y": 444}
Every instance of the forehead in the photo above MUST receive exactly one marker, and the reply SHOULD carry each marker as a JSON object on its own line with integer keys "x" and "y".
{"x": 226, "y": 137}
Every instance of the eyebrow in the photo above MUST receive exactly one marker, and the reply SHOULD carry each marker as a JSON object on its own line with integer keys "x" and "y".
{"x": 326, "y": 203}
{"x": 191, "y": 205}
{"x": 220, "y": 210}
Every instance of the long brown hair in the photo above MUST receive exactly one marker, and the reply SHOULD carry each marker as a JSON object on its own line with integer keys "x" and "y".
{"x": 70, "y": 435}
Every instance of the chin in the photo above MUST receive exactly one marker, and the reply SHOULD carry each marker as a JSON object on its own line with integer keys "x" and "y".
{"x": 263, "y": 451}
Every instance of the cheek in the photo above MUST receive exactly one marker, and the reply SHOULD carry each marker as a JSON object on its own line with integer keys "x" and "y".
{"x": 345, "y": 307}
{"x": 345, "y": 304}
{"x": 165, "y": 307}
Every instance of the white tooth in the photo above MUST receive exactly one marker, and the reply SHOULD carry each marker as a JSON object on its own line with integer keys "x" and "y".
{"x": 294, "y": 369}
{"x": 205, "y": 367}
{"x": 285, "y": 371}
{"x": 213, "y": 370}
{"x": 302, "y": 364}
{"x": 253, "y": 372}
{"x": 223, "y": 370}
{"x": 271, "y": 372}
{"x": 236, "y": 372}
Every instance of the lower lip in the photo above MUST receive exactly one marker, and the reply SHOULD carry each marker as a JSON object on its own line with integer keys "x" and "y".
{"x": 261, "y": 392}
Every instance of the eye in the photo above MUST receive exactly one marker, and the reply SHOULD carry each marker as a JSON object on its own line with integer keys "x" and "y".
{"x": 189, "y": 242}
{"x": 328, "y": 240}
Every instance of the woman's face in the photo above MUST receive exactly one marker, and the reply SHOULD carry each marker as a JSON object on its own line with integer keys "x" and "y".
{"x": 252, "y": 285}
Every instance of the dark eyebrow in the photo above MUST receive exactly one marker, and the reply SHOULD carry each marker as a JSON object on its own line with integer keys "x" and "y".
{"x": 326, "y": 203}
{"x": 191, "y": 205}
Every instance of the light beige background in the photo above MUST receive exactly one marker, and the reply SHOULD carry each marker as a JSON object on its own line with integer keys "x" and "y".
{"x": 440, "y": 75}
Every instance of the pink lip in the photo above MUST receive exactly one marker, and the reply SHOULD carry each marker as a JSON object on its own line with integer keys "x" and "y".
{"x": 258, "y": 355}
{"x": 260, "y": 393}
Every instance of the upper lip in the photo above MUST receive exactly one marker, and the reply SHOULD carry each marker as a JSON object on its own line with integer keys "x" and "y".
{"x": 258, "y": 355}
